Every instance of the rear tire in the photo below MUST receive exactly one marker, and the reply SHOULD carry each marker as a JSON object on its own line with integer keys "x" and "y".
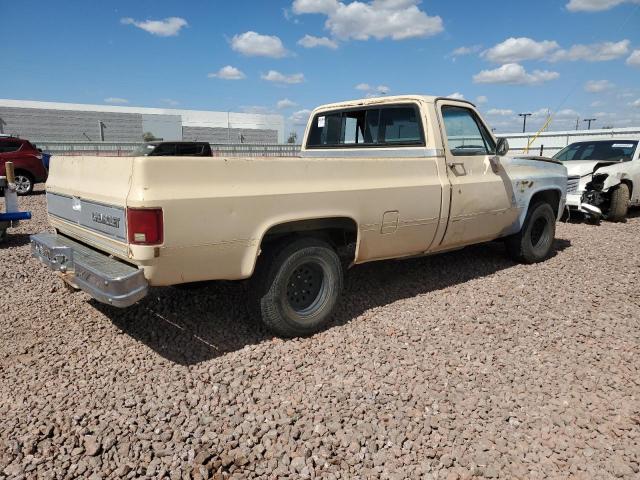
{"x": 296, "y": 286}
{"x": 619, "y": 205}
{"x": 24, "y": 183}
{"x": 533, "y": 243}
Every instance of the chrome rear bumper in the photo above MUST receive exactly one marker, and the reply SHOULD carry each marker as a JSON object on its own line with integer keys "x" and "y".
{"x": 105, "y": 278}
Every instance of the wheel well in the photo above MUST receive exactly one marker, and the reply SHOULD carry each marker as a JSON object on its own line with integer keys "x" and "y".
{"x": 552, "y": 197}
{"x": 26, "y": 173}
{"x": 629, "y": 184}
{"x": 338, "y": 231}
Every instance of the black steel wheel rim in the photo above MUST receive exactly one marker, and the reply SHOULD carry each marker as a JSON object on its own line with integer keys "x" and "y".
{"x": 305, "y": 287}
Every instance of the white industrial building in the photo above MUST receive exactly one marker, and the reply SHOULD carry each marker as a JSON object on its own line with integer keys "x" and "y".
{"x": 71, "y": 122}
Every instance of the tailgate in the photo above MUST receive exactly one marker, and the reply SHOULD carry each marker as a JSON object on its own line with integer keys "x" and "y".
{"x": 86, "y": 198}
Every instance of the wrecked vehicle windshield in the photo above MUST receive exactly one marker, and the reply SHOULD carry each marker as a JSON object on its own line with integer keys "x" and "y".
{"x": 610, "y": 150}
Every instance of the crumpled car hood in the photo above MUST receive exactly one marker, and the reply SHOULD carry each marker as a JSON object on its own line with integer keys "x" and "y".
{"x": 584, "y": 167}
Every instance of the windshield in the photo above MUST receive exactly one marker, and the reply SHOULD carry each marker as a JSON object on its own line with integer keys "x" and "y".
{"x": 142, "y": 150}
{"x": 611, "y": 151}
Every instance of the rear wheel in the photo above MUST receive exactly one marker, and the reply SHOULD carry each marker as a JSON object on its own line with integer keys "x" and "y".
{"x": 534, "y": 241}
{"x": 24, "y": 183}
{"x": 296, "y": 286}
{"x": 619, "y": 205}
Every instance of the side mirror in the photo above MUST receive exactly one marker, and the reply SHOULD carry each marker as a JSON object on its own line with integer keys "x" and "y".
{"x": 503, "y": 147}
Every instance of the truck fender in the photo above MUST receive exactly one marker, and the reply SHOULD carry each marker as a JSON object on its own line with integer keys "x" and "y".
{"x": 531, "y": 194}
{"x": 299, "y": 224}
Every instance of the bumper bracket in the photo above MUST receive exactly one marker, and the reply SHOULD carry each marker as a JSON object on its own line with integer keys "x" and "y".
{"x": 105, "y": 278}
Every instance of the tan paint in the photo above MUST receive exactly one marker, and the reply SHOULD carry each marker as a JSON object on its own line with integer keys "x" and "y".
{"x": 217, "y": 210}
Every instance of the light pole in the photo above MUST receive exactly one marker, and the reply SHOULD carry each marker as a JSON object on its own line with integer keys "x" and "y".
{"x": 524, "y": 120}
{"x": 589, "y": 120}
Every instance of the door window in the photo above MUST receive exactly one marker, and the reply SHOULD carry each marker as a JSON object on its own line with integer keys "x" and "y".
{"x": 466, "y": 135}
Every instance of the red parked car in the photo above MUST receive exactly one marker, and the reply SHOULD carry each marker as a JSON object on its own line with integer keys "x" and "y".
{"x": 27, "y": 161}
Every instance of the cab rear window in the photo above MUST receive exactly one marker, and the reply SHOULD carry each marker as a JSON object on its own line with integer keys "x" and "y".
{"x": 396, "y": 125}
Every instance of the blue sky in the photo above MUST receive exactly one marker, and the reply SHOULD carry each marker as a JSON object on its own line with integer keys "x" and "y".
{"x": 577, "y": 58}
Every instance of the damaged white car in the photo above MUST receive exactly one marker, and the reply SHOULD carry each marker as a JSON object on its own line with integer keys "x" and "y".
{"x": 603, "y": 177}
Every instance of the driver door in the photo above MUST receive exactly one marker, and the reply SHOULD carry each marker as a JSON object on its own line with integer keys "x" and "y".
{"x": 482, "y": 200}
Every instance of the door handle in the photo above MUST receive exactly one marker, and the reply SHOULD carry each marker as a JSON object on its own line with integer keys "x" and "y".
{"x": 457, "y": 168}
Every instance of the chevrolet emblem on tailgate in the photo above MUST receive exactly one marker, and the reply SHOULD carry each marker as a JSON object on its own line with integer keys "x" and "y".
{"x": 105, "y": 219}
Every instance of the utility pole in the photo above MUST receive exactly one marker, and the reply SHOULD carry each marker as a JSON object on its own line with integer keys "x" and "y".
{"x": 589, "y": 120}
{"x": 577, "y": 122}
{"x": 524, "y": 120}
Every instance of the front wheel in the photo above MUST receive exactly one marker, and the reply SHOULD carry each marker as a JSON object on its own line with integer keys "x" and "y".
{"x": 619, "y": 204}
{"x": 296, "y": 286}
{"x": 534, "y": 241}
{"x": 24, "y": 183}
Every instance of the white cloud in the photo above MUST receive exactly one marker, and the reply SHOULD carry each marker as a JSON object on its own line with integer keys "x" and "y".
{"x": 634, "y": 59}
{"x": 169, "y": 27}
{"x": 461, "y": 51}
{"x": 277, "y": 77}
{"x": 595, "y": 5}
{"x": 396, "y": 19}
{"x": 372, "y": 91}
{"x": 286, "y": 103}
{"x": 315, "y": 6}
{"x": 170, "y": 102}
{"x": 253, "y": 44}
{"x": 514, "y": 50}
{"x": 636, "y": 103}
{"x": 500, "y": 112}
{"x": 456, "y": 96}
{"x": 481, "y": 100}
{"x": 309, "y": 41}
{"x": 597, "y": 86}
{"x": 597, "y": 52}
{"x": 566, "y": 113}
{"x": 116, "y": 100}
{"x": 596, "y": 104}
{"x": 228, "y": 73}
{"x": 514, "y": 74}
{"x": 542, "y": 112}
{"x": 300, "y": 117}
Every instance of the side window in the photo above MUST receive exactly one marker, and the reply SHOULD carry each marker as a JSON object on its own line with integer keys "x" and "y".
{"x": 8, "y": 147}
{"x": 367, "y": 127}
{"x": 187, "y": 149}
{"x": 465, "y": 134}
{"x": 164, "y": 149}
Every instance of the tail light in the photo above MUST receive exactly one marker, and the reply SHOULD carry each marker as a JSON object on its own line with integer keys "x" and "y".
{"x": 145, "y": 226}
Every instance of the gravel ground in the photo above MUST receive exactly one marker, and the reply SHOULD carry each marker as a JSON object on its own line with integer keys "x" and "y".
{"x": 456, "y": 366}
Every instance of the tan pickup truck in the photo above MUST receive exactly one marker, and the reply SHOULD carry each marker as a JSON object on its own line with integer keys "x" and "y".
{"x": 395, "y": 176}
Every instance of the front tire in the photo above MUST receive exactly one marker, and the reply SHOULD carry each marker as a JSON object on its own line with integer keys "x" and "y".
{"x": 24, "y": 183}
{"x": 619, "y": 205}
{"x": 296, "y": 286}
{"x": 533, "y": 243}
